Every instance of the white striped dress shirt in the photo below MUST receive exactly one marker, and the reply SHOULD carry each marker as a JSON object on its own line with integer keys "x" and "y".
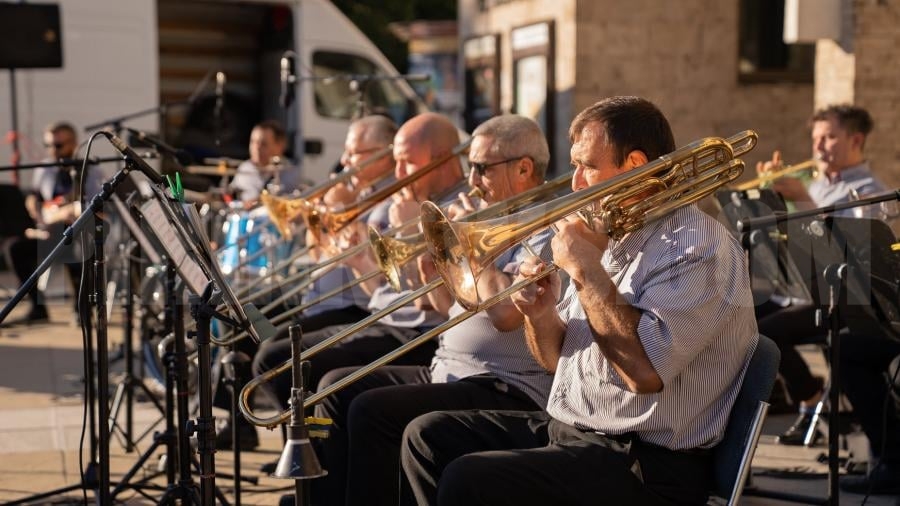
{"x": 687, "y": 276}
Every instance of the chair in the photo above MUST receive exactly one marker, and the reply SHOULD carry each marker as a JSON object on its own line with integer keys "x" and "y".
{"x": 734, "y": 454}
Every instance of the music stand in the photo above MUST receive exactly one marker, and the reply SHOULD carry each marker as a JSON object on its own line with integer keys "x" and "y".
{"x": 178, "y": 229}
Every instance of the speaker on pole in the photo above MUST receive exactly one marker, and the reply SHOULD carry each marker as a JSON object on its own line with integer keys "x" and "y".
{"x": 32, "y": 36}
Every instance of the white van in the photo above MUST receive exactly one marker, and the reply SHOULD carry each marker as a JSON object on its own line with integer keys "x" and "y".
{"x": 122, "y": 58}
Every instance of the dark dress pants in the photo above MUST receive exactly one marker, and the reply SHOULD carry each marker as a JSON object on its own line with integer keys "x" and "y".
{"x": 788, "y": 327}
{"x": 521, "y": 458}
{"x": 864, "y": 364}
{"x": 362, "y": 452}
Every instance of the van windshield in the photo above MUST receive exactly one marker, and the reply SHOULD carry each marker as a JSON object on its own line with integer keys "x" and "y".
{"x": 338, "y": 98}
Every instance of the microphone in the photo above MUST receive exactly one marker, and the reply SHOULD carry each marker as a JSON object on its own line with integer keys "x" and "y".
{"x": 135, "y": 158}
{"x": 287, "y": 81}
{"x": 179, "y": 155}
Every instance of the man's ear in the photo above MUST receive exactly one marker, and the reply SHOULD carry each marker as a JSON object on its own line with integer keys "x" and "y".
{"x": 858, "y": 139}
{"x": 525, "y": 168}
{"x": 634, "y": 159}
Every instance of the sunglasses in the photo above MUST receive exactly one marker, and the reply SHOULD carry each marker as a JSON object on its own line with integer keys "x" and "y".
{"x": 481, "y": 168}
{"x": 55, "y": 145}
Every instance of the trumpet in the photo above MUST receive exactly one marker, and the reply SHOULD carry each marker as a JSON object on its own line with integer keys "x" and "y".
{"x": 672, "y": 181}
{"x": 811, "y": 165}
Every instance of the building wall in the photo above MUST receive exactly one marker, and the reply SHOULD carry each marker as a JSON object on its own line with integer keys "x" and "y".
{"x": 877, "y": 81}
{"x": 500, "y": 17}
{"x": 683, "y": 56}
{"x": 685, "y": 59}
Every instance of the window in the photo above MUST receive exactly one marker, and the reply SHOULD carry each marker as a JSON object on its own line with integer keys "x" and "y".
{"x": 341, "y": 97}
{"x": 763, "y": 55}
{"x": 533, "y": 86}
{"x": 482, "y": 75}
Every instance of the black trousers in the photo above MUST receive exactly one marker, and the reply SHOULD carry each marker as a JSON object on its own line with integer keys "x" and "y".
{"x": 357, "y": 350}
{"x": 788, "y": 327}
{"x": 521, "y": 458}
{"x": 864, "y": 365}
{"x": 362, "y": 452}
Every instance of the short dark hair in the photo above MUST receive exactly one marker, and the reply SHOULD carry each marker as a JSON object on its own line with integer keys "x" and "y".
{"x": 275, "y": 127}
{"x": 62, "y": 126}
{"x": 852, "y": 118}
{"x": 629, "y": 123}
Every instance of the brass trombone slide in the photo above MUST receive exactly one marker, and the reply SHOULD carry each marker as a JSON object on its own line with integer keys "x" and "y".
{"x": 390, "y": 252}
{"x": 811, "y": 165}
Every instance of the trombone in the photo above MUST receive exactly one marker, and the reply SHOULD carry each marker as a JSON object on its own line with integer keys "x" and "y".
{"x": 284, "y": 211}
{"x": 811, "y": 165}
{"x": 629, "y": 200}
{"x": 390, "y": 253}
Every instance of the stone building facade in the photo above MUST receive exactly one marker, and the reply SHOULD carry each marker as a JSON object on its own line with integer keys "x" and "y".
{"x": 687, "y": 57}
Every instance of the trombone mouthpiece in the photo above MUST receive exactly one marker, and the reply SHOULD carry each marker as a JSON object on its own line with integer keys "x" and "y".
{"x": 476, "y": 193}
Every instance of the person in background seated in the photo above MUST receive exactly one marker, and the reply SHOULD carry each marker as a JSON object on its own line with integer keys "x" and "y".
{"x": 838, "y": 138}
{"x": 267, "y": 166}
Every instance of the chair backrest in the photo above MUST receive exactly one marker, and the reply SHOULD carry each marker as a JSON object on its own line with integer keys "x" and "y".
{"x": 756, "y": 388}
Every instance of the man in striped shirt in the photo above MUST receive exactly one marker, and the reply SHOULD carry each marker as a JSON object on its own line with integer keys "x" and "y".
{"x": 649, "y": 346}
{"x": 475, "y": 366}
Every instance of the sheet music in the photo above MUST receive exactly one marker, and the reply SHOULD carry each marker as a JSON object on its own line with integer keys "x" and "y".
{"x": 169, "y": 239}
{"x": 136, "y": 231}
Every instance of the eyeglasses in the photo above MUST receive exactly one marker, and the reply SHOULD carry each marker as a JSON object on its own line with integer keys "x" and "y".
{"x": 481, "y": 168}
{"x": 55, "y": 145}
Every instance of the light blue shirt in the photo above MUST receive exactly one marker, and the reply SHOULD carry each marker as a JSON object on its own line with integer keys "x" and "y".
{"x": 857, "y": 180}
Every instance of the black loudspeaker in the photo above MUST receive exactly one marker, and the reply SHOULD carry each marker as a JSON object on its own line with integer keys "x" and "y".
{"x": 31, "y": 36}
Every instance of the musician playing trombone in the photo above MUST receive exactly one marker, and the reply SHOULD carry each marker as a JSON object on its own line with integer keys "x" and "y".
{"x": 475, "y": 366}
{"x": 418, "y": 141}
{"x": 649, "y": 345}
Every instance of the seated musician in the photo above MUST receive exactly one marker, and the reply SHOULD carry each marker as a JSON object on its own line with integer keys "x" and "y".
{"x": 267, "y": 166}
{"x": 838, "y": 138}
{"x": 420, "y": 140}
{"x": 475, "y": 366}
{"x": 649, "y": 346}
{"x": 365, "y": 137}
{"x": 51, "y": 204}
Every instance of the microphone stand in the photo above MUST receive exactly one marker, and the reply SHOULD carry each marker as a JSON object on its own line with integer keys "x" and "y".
{"x": 66, "y": 162}
{"x": 776, "y": 218}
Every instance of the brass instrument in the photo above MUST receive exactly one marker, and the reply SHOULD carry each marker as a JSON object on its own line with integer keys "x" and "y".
{"x": 811, "y": 165}
{"x": 393, "y": 257}
{"x": 623, "y": 204}
{"x": 283, "y": 211}
{"x": 672, "y": 181}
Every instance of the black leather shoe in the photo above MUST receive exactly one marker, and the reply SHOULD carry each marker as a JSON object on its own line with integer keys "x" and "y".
{"x": 881, "y": 480}
{"x": 797, "y": 432}
{"x": 247, "y": 437}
